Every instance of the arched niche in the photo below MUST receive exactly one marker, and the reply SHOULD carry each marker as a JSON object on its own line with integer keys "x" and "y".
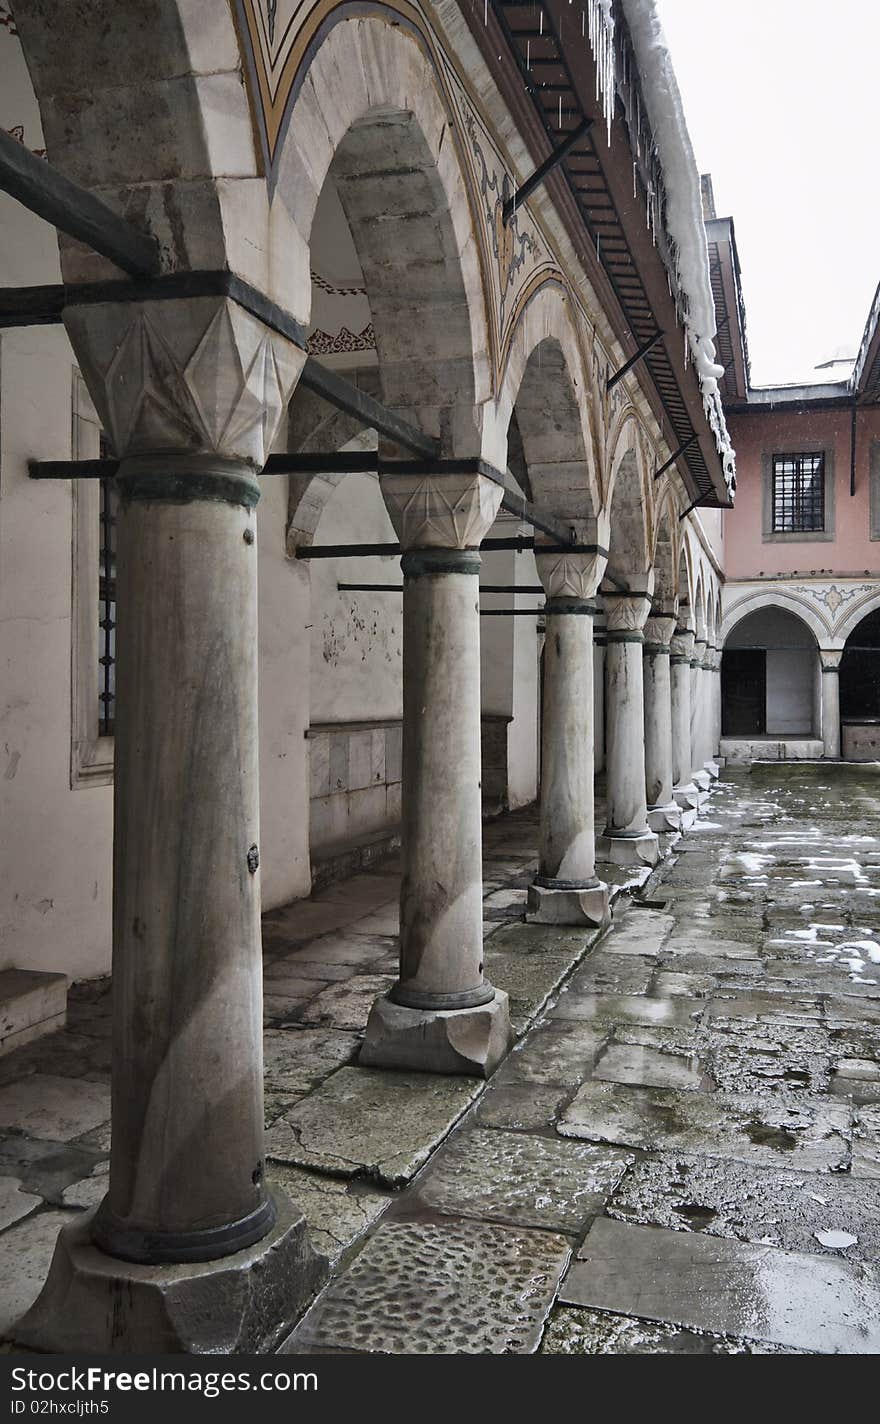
{"x": 770, "y": 677}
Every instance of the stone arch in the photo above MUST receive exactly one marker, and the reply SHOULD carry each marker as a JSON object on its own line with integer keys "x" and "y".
{"x": 770, "y": 675}
{"x": 804, "y": 609}
{"x": 543, "y": 398}
{"x": 685, "y": 602}
{"x": 629, "y": 540}
{"x": 388, "y": 140}
{"x": 860, "y": 676}
{"x": 150, "y": 112}
{"x": 665, "y": 558}
{"x": 859, "y": 609}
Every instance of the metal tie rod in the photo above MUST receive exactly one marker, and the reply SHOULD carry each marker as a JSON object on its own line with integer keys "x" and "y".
{"x": 546, "y": 167}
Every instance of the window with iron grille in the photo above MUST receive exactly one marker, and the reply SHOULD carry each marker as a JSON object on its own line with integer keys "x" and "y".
{"x": 798, "y": 493}
{"x": 107, "y": 606}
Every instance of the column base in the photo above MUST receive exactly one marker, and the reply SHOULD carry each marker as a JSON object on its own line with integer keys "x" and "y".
{"x": 713, "y": 769}
{"x": 701, "y": 779}
{"x": 569, "y": 904}
{"x": 640, "y": 849}
{"x": 470, "y": 1041}
{"x": 664, "y": 819}
{"x": 243, "y": 1304}
{"x": 687, "y": 796}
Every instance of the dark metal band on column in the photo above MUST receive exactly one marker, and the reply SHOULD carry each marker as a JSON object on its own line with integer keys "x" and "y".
{"x": 571, "y": 605}
{"x": 836, "y": 668}
{"x": 679, "y": 660}
{"x": 182, "y": 479}
{"x": 117, "y": 1238}
{"x": 550, "y": 882}
{"x": 629, "y": 637}
{"x": 464, "y": 999}
{"x": 421, "y": 563}
{"x": 661, "y": 649}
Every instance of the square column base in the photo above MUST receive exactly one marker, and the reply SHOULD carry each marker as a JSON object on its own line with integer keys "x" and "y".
{"x": 702, "y": 780}
{"x": 241, "y": 1304}
{"x": 687, "y": 796}
{"x": 643, "y": 849}
{"x": 469, "y": 1041}
{"x": 588, "y": 907}
{"x": 664, "y": 819}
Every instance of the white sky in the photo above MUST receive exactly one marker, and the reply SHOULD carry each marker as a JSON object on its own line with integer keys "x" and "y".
{"x": 782, "y": 100}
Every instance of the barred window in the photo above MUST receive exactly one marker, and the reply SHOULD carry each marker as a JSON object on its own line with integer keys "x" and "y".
{"x": 107, "y": 608}
{"x": 798, "y": 493}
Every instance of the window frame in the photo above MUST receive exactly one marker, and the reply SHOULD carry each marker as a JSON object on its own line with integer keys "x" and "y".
{"x": 794, "y": 448}
{"x": 795, "y": 500}
{"x": 91, "y": 754}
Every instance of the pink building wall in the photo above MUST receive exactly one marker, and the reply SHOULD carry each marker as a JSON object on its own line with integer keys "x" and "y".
{"x": 758, "y": 433}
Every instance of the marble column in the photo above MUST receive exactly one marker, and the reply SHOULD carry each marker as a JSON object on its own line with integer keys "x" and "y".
{"x": 684, "y": 792}
{"x": 442, "y": 1015}
{"x": 566, "y": 890}
{"x": 829, "y": 659}
{"x": 191, "y": 414}
{"x": 599, "y": 689}
{"x": 713, "y": 674}
{"x": 699, "y": 775}
{"x": 664, "y": 814}
{"x": 627, "y": 838}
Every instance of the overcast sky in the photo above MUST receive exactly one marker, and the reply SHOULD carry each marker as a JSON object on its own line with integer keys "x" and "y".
{"x": 783, "y": 109}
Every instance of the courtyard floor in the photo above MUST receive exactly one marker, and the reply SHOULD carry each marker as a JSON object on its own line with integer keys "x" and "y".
{"x": 682, "y": 1154}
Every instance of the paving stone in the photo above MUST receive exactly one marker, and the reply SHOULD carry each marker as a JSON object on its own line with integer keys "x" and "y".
{"x": 640, "y": 932}
{"x": 556, "y": 1053}
{"x": 683, "y": 945}
{"x": 810, "y": 1134}
{"x": 765, "y": 1008}
{"x": 605, "y": 973}
{"x": 529, "y": 978}
{"x": 371, "y": 1122}
{"x": 675, "y": 983}
{"x": 744, "y": 1070}
{"x": 295, "y": 1058}
{"x": 651, "y": 1067}
{"x": 47, "y": 1106}
{"x": 90, "y": 1191}
{"x": 526, "y": 1180}
{"x": 347, "y": 948}
{"x": 45, "y": 1168}
{"x": 765, "y": 1205}
{"x": 301, "y": 969}
{"x": 15, "y": 1202}
{"x": 628, "y": 1008}
{"x": 429, "y": 1289}
{"x": 578, "y": 1331}
{"x": 525, "y": 1106}
{"x": 338, "y": 1212}
{"x": 25, "y": 1253}
{"x": 346, "y": 1006}
{"x": 866, "y": 1143}
{"x": 787, "y": 1298}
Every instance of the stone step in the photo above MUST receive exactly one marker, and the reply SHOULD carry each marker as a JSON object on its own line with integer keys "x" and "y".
{"x": 32, "y": 1002}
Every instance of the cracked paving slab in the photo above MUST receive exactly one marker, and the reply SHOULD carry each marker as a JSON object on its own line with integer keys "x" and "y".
{"x": 338, "y": 1212}
{"x": 456, "y": 1288}
{"x": 578, "y": 1331}
{"x": 524, "y": 1180}
{"x": 788, "y": 1298}
{"x": 764, "y": 1205}
{"x": 369, "y": 1122}
{"x": 810, "y": 1134}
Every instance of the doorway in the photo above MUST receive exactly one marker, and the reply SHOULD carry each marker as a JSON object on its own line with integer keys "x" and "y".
{"x": 744, "y": 692}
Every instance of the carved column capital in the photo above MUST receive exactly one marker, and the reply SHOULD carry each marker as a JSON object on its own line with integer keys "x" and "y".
{"x": 195, "y": 377}
{"x": 659, "y": 629}
{"x": 829, "y": 659}
{"x": 682, "y": 645}
{"x": 451, "y": 511}
{"x": 626, "y": 614}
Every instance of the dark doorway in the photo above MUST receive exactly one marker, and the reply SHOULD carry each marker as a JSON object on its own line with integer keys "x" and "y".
{"x": 743, "y": 692}
{"x": 860, "y": 672}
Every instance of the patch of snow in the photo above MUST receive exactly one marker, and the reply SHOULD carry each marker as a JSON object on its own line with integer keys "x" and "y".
{"x": 836, "y": 1240}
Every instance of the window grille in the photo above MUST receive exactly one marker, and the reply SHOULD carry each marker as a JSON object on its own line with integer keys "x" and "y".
{"x": 798, "y": 493}
{"x": 107, "y": 609}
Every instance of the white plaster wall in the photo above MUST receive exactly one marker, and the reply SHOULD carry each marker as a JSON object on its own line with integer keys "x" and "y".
{"x": 284, "y": 605}
{"x": 509, "y": 660}
{"x": 790, "y": 691}
{"x": 356, "y": 638}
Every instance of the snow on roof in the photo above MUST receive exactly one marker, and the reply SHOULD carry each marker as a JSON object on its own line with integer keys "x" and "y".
{"x": 868, "y": 337}
{"x": 687, "y": 254}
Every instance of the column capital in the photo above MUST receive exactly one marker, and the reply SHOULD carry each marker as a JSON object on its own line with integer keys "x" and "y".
{"x": 185, "y": 377}
{"x": 449, "y": 511}
{"x": 829, "y": 659}
{"x": 626, "y": 613}
{"x": 576, "y": 573}
{"x": 682, "y": 645}
{"x": 659, "y": 629}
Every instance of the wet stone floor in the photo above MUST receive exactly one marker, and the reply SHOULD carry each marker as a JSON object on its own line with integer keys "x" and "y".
{"x": 681, "y": 1155}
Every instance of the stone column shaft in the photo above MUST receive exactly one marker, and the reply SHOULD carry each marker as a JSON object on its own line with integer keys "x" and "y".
{"x": 566, "y": 890}
{"x": 830, "y": 665}
{"x": 627, "y": 839}
{"x": 681, "y": 648}
{"x": 698, "y": 715}
{"x": 442, "y": 1015}
{"x": 663, "y": 813}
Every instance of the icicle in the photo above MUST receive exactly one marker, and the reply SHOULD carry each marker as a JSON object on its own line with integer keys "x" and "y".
{"x": 528, "y": 53}
{"x": 485, "y": 12}
{"x": 559, "y": 125}
{"x": 541, "y": 23}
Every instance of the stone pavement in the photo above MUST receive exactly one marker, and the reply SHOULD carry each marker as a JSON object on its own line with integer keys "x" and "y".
{"x": 682, "y": 1156}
